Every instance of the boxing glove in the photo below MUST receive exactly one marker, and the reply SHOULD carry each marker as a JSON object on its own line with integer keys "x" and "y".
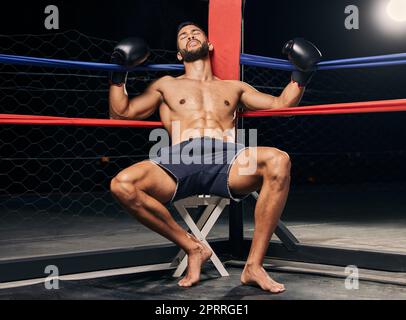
{"x": 130, "y": 52}
{"x": 305, "y": 56}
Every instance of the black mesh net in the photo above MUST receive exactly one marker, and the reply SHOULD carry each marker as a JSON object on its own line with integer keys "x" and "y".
{"x": 366, "y": 150}
{"x": 335, "y": 86}
{"x": 348, "y": 171}
{"x": 54, "y": 174}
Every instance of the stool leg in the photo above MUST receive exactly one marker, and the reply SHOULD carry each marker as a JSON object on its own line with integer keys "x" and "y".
{"x": 200, "y": 224}
{"x": 202, "y": 236}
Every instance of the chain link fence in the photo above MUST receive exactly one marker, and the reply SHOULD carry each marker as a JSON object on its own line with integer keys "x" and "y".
{"x": 57, "y": 171}
{"x": 362, "y": 150}
{"x": 50, "y": 173}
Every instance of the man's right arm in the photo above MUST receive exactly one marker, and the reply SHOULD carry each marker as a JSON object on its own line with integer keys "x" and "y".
{"x": 138, "y": 108}
{"x": 131, "y": 52}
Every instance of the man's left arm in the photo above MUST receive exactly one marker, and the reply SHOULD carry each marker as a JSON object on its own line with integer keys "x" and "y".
{"x": 255, "y": 100}
{"x": 304, "y": 55}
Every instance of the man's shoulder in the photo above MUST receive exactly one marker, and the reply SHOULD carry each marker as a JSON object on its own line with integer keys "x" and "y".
{"x": 236, "y": 83}
{"x": 165, "y": 79}
{"x": 161, "y": 81}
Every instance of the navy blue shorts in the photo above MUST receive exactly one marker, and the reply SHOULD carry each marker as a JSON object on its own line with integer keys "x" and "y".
{"x": 200, "y": 166}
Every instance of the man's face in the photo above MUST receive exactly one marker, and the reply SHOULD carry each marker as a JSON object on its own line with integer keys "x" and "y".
{"x": 192, "y": 44}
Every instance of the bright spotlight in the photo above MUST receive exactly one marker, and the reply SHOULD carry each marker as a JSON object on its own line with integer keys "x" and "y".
{"x": 396, "y": 9}
{"x": 390, "y": 17}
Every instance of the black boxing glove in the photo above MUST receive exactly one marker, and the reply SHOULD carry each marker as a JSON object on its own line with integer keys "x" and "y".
{"x": 305, "y": 56}
{"x": 130, "y": 52}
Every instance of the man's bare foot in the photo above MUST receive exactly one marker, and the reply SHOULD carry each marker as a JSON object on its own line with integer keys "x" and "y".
{"x": 196, "y": 258}
{"x": 257, "y": 276}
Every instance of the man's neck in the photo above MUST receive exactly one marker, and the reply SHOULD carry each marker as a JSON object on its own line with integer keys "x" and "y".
{"x": 199, "y": 70}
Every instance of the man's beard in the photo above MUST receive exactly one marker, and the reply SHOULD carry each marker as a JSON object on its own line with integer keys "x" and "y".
{"x": 192, "y": 56}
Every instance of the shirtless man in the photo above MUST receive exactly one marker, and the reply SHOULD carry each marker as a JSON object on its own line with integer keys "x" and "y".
{"x": 205, "y": 107}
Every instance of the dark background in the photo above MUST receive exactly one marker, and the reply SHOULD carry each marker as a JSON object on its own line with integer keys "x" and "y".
{"x": 325, "y": 149}
{"x": 268, "y": 24}
{"x": 55, "y": 180}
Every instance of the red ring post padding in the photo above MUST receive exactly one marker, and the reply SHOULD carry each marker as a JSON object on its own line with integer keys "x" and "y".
{"x": 225, "y": 18}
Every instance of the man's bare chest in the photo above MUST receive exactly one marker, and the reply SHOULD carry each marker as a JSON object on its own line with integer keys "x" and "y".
{"x": 217, "y": 95}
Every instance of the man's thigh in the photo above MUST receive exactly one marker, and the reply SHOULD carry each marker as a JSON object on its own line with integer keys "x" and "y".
{"x": 247, "y": 171}
{"x": 150, "y": 178}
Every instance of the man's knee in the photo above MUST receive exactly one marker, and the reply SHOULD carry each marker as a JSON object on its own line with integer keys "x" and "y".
{"x": 276, "y": 166}
{"x": 127, "y": 187}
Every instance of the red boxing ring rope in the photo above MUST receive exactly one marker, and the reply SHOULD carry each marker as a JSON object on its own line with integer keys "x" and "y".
{"x": 327, "y": 109}
{"x": 226, "y": 35}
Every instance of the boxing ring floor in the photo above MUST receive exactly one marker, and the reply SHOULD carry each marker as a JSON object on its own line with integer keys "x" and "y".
{"x": 161, "y": 286}
{"x": 352, "y": 218}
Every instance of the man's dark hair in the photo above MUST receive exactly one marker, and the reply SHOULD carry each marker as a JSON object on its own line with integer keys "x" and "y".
{"x": 189, "y": 23}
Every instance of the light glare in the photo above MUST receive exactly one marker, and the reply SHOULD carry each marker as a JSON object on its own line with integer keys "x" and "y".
{"x": 396, "y": 9}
